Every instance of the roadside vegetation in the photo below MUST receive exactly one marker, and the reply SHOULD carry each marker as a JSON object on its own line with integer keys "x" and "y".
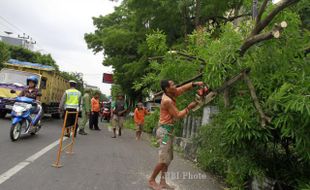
{"x": 259, "y": 69}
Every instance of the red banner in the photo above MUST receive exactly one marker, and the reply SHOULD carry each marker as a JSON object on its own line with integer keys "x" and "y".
{"x": 107, "y": 78}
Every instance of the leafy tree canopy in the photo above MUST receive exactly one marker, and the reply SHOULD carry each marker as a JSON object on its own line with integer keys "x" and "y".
{"x": 121, "y": 35}
{"x": 137, "y": 39}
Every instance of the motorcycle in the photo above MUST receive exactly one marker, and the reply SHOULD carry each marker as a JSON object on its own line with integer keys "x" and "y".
{"x": 24, "y": 119}
{"x": 106, "y": 111}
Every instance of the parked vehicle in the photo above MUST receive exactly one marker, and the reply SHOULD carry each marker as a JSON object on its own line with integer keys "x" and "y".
{"x": 50, "y": 84}
{"x": 106, "y": 111}
{"x": 24, "y": 120}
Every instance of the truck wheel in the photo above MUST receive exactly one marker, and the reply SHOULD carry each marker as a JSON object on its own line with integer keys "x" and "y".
{"x": 2, "y": 114}
{"x": 56, "y": 115}
{"x": 16, "y": 130}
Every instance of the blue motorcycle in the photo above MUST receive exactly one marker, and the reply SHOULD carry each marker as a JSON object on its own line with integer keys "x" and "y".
{"x": 26, "y": 115}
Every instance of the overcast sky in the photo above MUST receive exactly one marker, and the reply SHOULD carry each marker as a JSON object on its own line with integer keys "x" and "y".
{"x": 59, "y": 26}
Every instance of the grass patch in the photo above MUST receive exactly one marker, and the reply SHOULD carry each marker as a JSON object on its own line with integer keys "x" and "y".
{"x": 129, "y": 124}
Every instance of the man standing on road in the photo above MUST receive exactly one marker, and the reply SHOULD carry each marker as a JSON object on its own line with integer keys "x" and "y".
{"x": 168, "y": 114}
{"x": 139, "y": 115}
{"x": 85, "y": 111}
{"x": 70, "y": 102}
{"x": 95, "y": 109}
{"x": 119, "y": 108}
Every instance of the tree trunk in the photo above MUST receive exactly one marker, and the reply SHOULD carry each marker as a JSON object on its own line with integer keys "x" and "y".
{"x": 226, "y": 97}
{"x": 254, "y": 9}
{"x": 198, "y": 14}
{"x": 184, "y": 19}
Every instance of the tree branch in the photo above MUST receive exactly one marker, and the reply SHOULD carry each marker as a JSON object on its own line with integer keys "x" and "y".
{"x": 275, "y": 33}
{"x": 224, "y": 87}
{"x": 253, "y": 40}
{"x": 188, "y": 57}
{"x": 218, "y": 90}
{"x": 181, "y": 84}
{"x": 306, "y": 51}
{"x": 262, "y": 24}
{"x": 156, "y": 58}
{"x": 192, "y": 57}
{"x": 229, "y": 19}
{"x": 261, "y": 10}
{"x": 231, "y": 81}
{"x": 262, "y": 115}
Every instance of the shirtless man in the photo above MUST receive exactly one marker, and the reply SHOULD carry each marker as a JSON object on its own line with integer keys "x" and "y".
{"x": 168, "y": 114}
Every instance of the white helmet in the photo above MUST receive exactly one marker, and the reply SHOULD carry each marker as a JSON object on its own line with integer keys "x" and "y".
{"x": 72, "y": 82}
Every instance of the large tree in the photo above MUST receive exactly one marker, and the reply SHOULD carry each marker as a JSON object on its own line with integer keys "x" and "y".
{"x": 258, "y": 70}
{"x": 263, "y": 128}
{"x": 121, "y": 35}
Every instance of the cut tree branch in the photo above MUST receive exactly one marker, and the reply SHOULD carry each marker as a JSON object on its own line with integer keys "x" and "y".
{"x": 227, "y": 84}
{"x": 231, "y": 81}
{"x": 264, "y": 119}
{"x": 262, "y": 24}
{"x": 275, "y": 33}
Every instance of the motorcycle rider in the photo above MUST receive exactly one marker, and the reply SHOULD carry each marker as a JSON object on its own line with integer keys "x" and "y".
{"x": 32, "y": 92}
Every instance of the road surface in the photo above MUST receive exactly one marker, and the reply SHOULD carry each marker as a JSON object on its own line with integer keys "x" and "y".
{"x": 99, "y": 162}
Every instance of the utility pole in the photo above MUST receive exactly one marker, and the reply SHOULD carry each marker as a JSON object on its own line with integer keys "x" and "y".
{"x": 27, "y": 41}
{"x": 24, "y": 38}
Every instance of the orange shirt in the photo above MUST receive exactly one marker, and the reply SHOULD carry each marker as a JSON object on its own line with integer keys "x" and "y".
{"x": 139, "y": 115}
{"x": 95, "y": 106}
{"x": 168, "y": 110}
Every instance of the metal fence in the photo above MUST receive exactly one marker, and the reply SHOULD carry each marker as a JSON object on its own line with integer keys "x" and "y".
{"x": 191, "y": 123}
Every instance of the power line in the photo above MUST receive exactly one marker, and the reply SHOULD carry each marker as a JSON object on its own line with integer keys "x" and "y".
{"x": 7, "y": 26}
{"x": 18, "y": 28}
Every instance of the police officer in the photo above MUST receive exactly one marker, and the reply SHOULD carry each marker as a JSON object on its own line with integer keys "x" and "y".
{"x": 70, "y": 102}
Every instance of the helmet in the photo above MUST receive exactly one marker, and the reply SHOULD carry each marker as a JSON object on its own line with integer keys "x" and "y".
{"x": 33, "y": 79}
{"x": 72, "y": 82}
